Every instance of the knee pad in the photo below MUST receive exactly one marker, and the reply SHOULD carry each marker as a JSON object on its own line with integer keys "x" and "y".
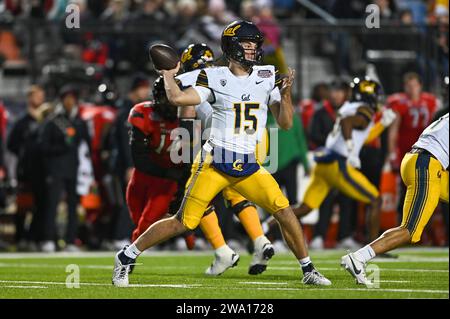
{"x": 239, "y": 207}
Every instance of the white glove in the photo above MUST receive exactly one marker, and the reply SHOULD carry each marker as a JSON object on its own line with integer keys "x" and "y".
{"x": 354, "y": 161}
{"x": 350, "y": 146}
{"x": 387, "y": 117}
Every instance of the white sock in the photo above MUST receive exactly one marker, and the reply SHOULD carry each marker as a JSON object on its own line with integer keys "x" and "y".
{"x": 265, "y": 227}
{"x": 260, "y": 241}
{"x": 132, "y": 251}
{"x": 304, "y": 261}
{"x": 222, "y": 250}
{"x": 365, "y": 254}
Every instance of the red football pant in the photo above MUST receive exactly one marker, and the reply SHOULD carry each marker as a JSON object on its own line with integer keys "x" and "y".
{"x": 148, "y": 198}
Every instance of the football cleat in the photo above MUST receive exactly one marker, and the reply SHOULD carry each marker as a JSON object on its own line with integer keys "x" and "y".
{"x": 121, "y": 269}
{"x": 264, "y": 251}
{"x": 356, "y": 268}
{"x": 314, "y": 277}
{"x": 222, "y": 262}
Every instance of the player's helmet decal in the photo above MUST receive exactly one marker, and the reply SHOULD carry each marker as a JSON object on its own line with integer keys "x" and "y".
{"x": 366, "y": 90}
{"x": 162, "y": 105}
{"x": 197, "y": 56}
{"x": 234, "y": 34}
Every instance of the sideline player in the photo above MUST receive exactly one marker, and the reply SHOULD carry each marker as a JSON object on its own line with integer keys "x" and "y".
{"x": 240, "y": 95}
{"x": 424, "y": 170}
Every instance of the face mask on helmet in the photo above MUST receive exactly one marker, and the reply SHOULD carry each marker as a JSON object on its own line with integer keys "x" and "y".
{"x": 242, "y": 42}
{"x": 162, "y": 105}
{"x": 197, "y": 56}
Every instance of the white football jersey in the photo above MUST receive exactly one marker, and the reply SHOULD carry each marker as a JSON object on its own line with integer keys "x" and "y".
{"x": 240, "y": 104}
{"x": 434, "y": 139}
{"x": 203, "y": 110}
{"x": 335, "y": 140}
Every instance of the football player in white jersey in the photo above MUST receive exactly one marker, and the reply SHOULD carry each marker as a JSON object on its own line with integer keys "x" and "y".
{"x": 194, "y": 58}
{"x": 337, "y": 165}
{"x": 424, "y": 170}
{"x": 240, "y": 95}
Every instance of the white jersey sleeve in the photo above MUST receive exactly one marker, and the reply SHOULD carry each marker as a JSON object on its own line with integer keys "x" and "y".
{"x": 205, "y": 94}
{"x": 204, "y": 109}
{"x": 275, "y": 96}
{"x": 434, "y": 139}
{"x": 189, "y": 78}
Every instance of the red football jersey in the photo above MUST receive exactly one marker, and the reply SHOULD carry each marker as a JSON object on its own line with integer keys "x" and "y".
{"x": 98, "y": 117}
{"x": 3, "y": 120}
{"x": 306, "y": 109}
{"x": 144, "y": 117}
{"x": 415, "y": 117}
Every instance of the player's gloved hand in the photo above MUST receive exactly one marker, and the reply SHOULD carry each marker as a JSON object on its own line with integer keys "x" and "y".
{"x": 350, "y": 146}
{"x": 387, "y": 117}
{"x": 354, "y": 161}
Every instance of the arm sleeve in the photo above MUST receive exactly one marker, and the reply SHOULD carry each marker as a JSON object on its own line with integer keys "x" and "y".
{"x": 205, "y": 94}
{"x": 275, "y": 96}
{"x": 203, "y": 89}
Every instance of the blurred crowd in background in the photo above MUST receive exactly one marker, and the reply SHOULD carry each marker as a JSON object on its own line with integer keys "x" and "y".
{"x": 65, "y": 95}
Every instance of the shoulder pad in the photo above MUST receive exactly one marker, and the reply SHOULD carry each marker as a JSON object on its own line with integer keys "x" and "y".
{"x": 140, "y": 116}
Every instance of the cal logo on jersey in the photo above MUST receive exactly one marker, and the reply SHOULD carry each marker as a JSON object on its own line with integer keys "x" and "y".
{"x": 237, "y": 165}
{"x": 231, "y": 31}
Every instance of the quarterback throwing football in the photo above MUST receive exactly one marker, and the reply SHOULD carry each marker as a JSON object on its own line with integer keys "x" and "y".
{"x": 240, "y": 95}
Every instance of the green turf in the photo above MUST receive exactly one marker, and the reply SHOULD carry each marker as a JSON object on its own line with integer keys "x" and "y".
{"x": 418, "y": 273}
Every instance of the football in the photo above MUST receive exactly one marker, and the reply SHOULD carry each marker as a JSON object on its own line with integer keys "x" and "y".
{"x": 163, "y": 57}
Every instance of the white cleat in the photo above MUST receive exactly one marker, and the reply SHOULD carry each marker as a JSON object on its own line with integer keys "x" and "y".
{"x": 315, "y": 278}
{"x": 264, "y": 251}
{"x": 222, "y": 262}
{"x": 120, "y": 272}
{"x": 356, "y": 268}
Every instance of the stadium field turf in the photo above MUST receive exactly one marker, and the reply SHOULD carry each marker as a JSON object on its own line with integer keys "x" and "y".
{"x": 417, "y": 273}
